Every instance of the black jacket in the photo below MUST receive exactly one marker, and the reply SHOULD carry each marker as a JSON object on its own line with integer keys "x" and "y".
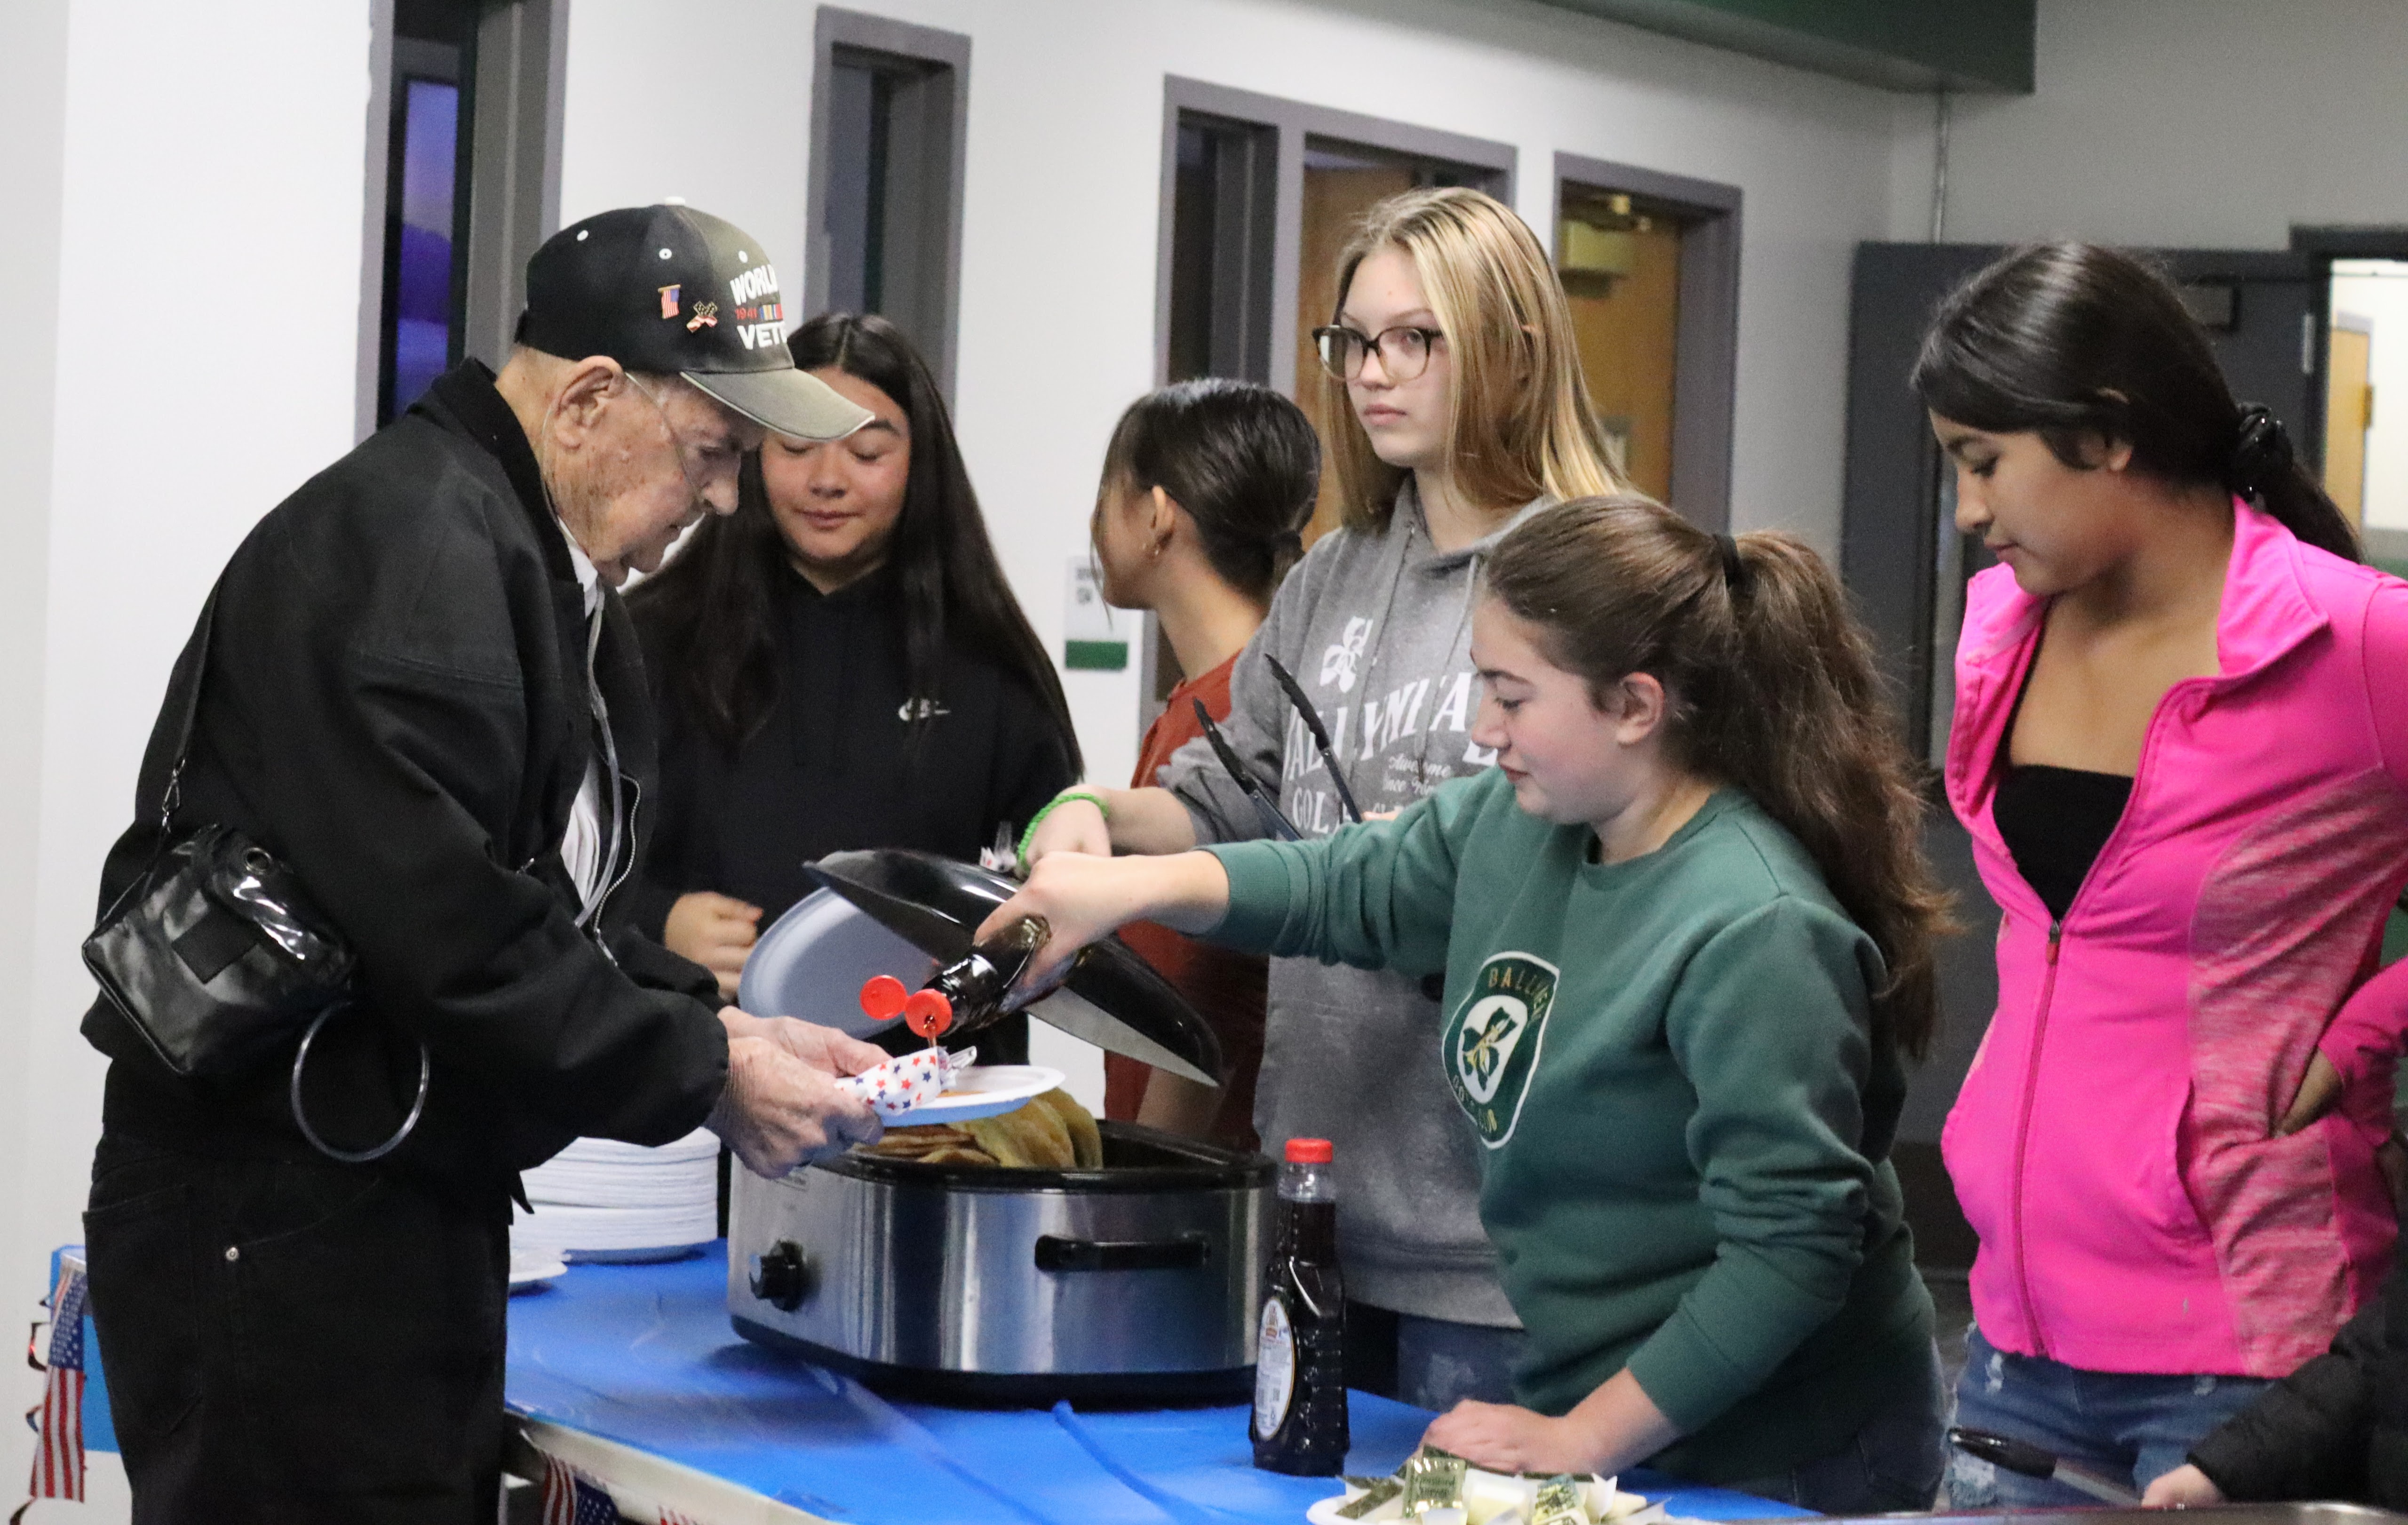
{"x": 2335, "y": 1429}
{"x": 395, "y": 704}
{"x": 831, "y": 766}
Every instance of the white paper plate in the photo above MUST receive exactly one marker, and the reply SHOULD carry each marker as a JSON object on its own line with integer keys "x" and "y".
{"x": 986, "y": 1090}
{"x": 529, "y": 1270}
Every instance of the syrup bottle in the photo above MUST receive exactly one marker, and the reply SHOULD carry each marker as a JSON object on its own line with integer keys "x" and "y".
{"x": 1299, "y": 1424}
{"x": 966, "y": 995}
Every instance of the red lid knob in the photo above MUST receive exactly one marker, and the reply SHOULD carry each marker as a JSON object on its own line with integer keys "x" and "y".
{"x": 928, "y": 1013}
{"x": 883, "y": 997}
{"x": 1308, "y": 1151}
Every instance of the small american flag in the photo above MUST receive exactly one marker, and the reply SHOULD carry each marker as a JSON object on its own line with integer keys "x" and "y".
{"x": 570, "y": 1499}
{"x": 58, "y": 1453}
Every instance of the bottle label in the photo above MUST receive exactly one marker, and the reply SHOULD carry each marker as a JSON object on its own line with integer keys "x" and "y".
{"x": 1274, "y": 1368}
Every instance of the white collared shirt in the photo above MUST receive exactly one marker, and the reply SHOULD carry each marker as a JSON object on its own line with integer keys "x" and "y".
{"x": 582, "y": 848}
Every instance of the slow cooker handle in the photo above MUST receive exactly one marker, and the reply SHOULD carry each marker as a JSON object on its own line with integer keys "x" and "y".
{"x": 1189, "y": 1252}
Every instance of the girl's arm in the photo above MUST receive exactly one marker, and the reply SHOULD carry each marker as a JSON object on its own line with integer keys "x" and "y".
{"x": 1614, "y": 1428}
{"x": 1379, "y": 895}
{"x": 2366, "y": 1036}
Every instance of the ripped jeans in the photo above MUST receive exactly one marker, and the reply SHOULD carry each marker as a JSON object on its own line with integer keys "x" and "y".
{"x": 2131, "y": 1427}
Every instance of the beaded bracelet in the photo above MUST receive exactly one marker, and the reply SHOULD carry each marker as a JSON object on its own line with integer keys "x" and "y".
{"x": 1051, "y": 806}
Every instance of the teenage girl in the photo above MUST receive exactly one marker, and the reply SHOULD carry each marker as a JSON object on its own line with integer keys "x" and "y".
{"x": 1455, "y": 387}
{"x": 1685, "y": 931}
{"x": 839, "y": 664}
{"x": 2181, "y": 746}
{"x": 1204, "y": 487}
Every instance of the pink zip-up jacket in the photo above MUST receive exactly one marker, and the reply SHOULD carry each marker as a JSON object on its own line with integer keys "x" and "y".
{"x": 2113, "y": 1143}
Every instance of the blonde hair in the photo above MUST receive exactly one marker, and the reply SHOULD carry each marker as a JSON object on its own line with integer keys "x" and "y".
{"x": 1509, "y": 332}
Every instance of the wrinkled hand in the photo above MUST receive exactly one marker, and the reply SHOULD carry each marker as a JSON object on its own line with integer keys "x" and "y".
{"x": 716, "y": 931}
{"x": 1076, "y": 826}
{"x": 1500, "y": 1437}
{"x": 2181, "y": 1488}
{"x": 778, "y": 1111}
{"x": 823, "y": 1049}
{"x": 2319, "y": 1092}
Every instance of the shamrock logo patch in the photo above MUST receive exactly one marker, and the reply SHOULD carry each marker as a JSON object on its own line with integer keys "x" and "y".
{"x": 1491, "y": 1043}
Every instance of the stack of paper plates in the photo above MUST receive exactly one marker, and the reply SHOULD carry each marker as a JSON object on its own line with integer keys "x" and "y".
{"x": 599, "y": 1199}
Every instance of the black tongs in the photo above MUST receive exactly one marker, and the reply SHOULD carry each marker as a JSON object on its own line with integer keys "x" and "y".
{"x": 1274, "y": 823}
{"x": 1320, "y": 737}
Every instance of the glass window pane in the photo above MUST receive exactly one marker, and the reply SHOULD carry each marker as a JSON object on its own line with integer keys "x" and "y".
{"x": 421, "y": 341}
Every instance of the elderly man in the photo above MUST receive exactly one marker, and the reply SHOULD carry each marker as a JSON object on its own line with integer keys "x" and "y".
{"x": 417, "y": 688}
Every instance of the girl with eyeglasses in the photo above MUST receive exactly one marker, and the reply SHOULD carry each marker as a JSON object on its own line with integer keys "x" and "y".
{"x": 1457, "y": 406}
{"x": 1685, "y": 929}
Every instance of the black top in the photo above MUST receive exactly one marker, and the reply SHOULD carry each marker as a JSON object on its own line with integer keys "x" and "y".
{"x": 2056, "y": 820}
{"x": 2335, "y": 1429}
{"x": 395, "y": 705}
{"x": 828, "y": 768}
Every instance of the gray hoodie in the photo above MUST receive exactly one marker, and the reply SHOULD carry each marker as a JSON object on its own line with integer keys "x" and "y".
{"x": 1377, "y": 629}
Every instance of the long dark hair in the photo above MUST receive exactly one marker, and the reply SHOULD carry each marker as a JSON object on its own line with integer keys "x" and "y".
{"x": 1771, "y": 688}
{"x": 1241, "y": 459}
{"x": 2081, "y": 344}
{"x": 712, "y": 606}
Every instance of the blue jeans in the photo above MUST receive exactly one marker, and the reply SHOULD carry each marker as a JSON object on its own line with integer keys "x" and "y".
{"x": 2131, "y": 1427}
{"x": 1892, "y": 1465}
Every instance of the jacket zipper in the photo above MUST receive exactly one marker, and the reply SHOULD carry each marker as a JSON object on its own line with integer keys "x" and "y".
{"x": 2023, "y": 1138}
{"x": 2047, "y": 997}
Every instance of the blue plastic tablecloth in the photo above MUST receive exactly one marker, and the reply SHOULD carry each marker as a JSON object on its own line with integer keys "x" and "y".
{"x": 644, "y": 1356}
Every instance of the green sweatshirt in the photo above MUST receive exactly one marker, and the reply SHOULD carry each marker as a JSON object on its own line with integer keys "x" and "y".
{"x": 1669, "y": 1061}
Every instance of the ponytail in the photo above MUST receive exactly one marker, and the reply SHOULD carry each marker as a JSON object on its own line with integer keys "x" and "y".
{"x": 1771, "y": 686}
{"x": 2081, "y": 344}
{"x": 1239, "y": 458}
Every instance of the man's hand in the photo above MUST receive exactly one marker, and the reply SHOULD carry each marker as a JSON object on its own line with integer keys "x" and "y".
{"x": 823, "y": 1049}
{"x": 778, "y": 1111}
{"x": 2181, "y": 1488}
{"x": 716, "y": 931}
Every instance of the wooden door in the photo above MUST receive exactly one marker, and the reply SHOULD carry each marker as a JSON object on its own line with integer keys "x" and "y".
{"x": 1335, "y": 200}
{"x": 2349, "y": 412}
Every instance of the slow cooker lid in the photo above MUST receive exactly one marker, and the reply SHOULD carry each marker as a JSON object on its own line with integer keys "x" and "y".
{"x": 1117, "y": 1001}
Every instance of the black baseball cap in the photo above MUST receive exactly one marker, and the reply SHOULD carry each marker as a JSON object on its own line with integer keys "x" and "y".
{"x": 668, "y": 289}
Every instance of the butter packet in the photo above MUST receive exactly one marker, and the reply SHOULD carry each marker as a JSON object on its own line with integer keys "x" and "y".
{"x": 1373, "y": 1502}
{"x": 1559, "y": 1504}
{"x": 1433, "y": 1480}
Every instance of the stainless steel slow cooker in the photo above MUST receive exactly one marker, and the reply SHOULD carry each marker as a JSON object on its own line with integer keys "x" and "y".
{"x": 1135, "y": 1281}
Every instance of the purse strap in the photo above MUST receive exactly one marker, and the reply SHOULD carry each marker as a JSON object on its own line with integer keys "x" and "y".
{"x": 188, "y": 711}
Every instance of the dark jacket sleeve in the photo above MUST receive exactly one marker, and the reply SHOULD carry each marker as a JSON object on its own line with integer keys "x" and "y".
{"x": 2307, "y": 1436}
{"x": 389, "y": 740}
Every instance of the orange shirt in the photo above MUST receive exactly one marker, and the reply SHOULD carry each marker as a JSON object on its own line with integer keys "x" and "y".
{"x": 1226, "y": 987}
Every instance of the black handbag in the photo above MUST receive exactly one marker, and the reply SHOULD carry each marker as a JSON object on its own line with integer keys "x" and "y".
{"x": 214, "y": 953}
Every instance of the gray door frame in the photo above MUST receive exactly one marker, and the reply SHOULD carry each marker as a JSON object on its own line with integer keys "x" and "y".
{"x": 521, "y": 68}
{"x": 1705, "y": 360}
{"x": 941, "y": 214}
{"x": 1293, "y": 122}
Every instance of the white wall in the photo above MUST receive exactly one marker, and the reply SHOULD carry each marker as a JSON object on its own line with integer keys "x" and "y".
{"x": 197, "y": 255}
{"x": 2383, "y": 301}
{"x": 2198, "y": 124}
{"x": 1065, "y": 138}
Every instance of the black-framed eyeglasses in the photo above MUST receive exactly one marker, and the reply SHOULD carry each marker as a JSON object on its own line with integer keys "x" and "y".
{"x": 1404, "y": 351}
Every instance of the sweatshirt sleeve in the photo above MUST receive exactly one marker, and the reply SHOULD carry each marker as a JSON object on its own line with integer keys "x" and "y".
{"x": 1257, "y": 725}
{"x": 2307, "y": 1436}
{"x": 1769, "y": 1023}
{"x": 2365, "y": 1037}
{"x": 1378, "y": 896}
